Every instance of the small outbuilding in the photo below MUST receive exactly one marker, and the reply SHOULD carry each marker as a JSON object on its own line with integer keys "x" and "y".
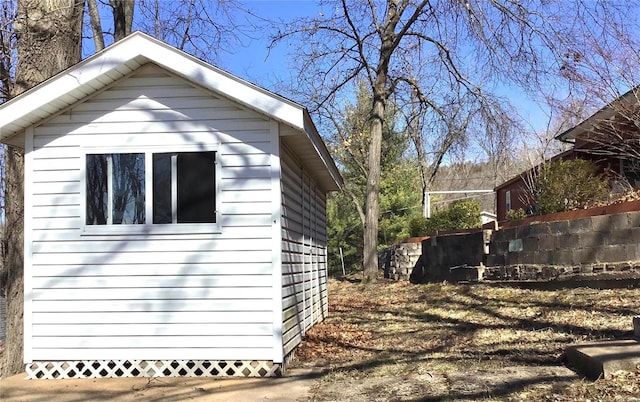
{"x": 174, "y": 220}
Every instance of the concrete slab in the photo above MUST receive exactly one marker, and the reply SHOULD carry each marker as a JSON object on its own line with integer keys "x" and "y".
{"x": 294, "y": 387}
{"x": 601, "y": 359}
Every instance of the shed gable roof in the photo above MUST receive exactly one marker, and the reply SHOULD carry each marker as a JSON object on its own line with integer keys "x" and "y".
{"x": 123, "y": 57}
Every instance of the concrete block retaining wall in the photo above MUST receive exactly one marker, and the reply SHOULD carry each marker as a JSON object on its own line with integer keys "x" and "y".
{"x": 535, "y": 251}
{"x": 595, "y": 244}
{"x": 399, "y": 260}
{"x": 452, "y": 257}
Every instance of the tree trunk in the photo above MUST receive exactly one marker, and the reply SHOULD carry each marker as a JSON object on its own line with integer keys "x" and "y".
{"x": 122, "y": 18}
{"x": 374, "y": 165}
{"x": 370, "y": 271}
{"x": 13, "y": 261}
{"x": 49, "y": 39}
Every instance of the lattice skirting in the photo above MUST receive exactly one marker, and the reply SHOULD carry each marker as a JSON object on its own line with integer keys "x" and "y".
{"x": 151, "y": 368}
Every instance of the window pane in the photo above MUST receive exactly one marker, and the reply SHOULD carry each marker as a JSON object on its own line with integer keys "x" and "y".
{"x": 97, "y": 189}
{"x": 196, "y": 187}
{"x": 128, "y": 188}
{"x": 161, "y": 188}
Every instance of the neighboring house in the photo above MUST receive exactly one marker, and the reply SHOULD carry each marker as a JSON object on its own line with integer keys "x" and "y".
{"x": 174, "y": 218}
{"x": 609, "y": 127}
{"x": 486, "y": 217}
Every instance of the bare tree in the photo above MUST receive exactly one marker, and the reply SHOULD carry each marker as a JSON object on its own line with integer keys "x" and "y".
{"x": 614, "y": 132}
{"x": 7, "y": 48}
{"x": 48, "y": 41}
{"x": 439, "y": 53}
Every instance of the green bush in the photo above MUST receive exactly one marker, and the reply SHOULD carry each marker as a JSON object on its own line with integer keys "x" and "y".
{"x": 515, "y": 214}
{"x": 462, "y": 214}
{"x": 566, "y": 185}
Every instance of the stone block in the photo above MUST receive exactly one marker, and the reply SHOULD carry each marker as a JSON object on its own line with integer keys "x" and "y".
{"x": 511, "y": 258}
{"x": 523, "y": 231}
{"x": 586, "y": 269}
{"x": 504, "y": 234}
{"x": 562, "y": 257}
{"x": 580, "y": 225}
{"x": 530, "y": 243}
{"x": 584, "y": 256}
{"x": 591, "y": 239}
{"x": 634, "y": 219}
{"x": 633, "y": 252}
{"x": 611, "y": 254}
{"x": 547, "y": 242}
{"x": 498, "y": 247}
{"x": 568, "y": 241}
{"x": 527, "y": 257}
{"x": 495, "y": 260}
{"x": 558, "y": 228}
{"x": 619, "y": 221}
{"x": 542, "y": 257}
{"x": 600, "y": 223}
{"x": 618, "y": 267}
{"x": 603, "y": 359}
{"x": 549, "y": 272}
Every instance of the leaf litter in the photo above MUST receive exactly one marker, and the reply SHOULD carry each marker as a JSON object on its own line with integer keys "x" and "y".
{"x": 393, "y": 341}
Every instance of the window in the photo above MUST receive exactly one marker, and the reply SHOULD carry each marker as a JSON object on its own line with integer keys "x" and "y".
{"x": 183, "y": 187}
{"x": 129, "y": 190}
{"x": 507, "y": 197}
{"x": 115, "y": 189}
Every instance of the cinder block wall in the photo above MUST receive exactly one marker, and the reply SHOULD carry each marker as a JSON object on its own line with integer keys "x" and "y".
{"x": 452, "y": 257}
{"x": 399, "y": 260}
{"x": 545, "y": 250}
{"x": 536, "y": 251}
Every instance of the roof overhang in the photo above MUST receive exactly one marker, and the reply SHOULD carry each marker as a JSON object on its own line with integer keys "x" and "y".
{"x": 606, "y": 113}
{"x": 123, "y": 57}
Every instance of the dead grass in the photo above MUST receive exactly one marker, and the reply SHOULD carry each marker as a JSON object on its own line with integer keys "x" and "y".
{"x": 398, "y": 341}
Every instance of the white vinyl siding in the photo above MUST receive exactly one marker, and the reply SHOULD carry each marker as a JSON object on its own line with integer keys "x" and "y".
{"x": 304, "y": 252}
{"x": 148, "y": 296}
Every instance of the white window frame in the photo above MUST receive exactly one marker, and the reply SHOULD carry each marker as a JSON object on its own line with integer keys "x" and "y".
{"x": 507, "y": 200}
{"x": 149, "y": 228}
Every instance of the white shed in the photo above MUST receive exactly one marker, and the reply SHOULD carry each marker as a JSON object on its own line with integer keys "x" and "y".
{"x": 174, "y": 218}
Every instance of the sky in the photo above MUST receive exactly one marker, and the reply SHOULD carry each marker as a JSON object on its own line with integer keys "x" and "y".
{"x": 253, "y": 61}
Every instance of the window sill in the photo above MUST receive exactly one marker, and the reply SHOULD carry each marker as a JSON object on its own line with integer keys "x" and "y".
{"x": 150, "y": 230}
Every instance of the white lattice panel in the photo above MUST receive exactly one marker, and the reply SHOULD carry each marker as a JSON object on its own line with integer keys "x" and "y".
{"x": 151, "y": 368}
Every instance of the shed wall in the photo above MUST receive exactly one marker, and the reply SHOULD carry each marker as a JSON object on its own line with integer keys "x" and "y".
{"x": 150, "y": 296}
{"x": 304, "y": 248}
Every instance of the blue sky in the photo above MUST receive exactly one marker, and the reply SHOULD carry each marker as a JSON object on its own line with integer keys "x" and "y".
{"x": 253, "y": 60}
{"x": 255, "y": 63}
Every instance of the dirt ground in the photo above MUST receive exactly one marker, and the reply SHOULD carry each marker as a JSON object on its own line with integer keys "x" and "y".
{"x": 394, "y": 341}
{"x": 294, "y": 387}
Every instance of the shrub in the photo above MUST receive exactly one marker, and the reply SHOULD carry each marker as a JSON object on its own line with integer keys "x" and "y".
{"x": 515, "y": 214}
{"x": 462, "y": 214}
{"x": 565, "y": 185}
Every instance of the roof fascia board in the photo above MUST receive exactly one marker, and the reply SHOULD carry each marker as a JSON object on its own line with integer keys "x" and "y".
{"x": 322, "y": 150}
{"x": 212, "y": 78}
{"x": 143, "y": 48}
{"x": 54, "y": 88}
